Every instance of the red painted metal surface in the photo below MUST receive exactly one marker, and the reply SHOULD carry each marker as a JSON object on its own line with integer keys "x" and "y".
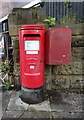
{"x": 31, "y": 41}
{"x": 58, "y": 46}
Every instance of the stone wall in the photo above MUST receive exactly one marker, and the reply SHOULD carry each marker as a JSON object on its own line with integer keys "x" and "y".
{"x": 70, "y": 77}
{"x": 16, "y": 19}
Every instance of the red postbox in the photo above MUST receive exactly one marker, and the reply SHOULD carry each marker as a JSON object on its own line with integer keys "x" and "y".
{"x": 31, "y": 42}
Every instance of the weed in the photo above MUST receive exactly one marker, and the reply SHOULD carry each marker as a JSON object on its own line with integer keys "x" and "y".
{"x": 69, "y": 19}
{"x": 8, "y": 85}
{"x": 50, "y": 21}
{"x": 6, "y": 70}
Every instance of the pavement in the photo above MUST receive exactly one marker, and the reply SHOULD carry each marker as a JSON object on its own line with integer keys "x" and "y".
{"x": 58, "y": 105}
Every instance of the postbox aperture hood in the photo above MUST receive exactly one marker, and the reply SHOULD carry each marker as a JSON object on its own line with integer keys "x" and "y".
{"x": 34, "y": 27}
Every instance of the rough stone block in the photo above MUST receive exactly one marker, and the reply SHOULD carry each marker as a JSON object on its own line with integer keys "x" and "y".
{"x": 15, "y": 42}
{"x": 14, "y": 30}
{"x": 60, "y": 82}
{"x": 16, "y": 53}
{"x": 76, "y": 82}
{"x": 17, "y": 83}
{"x": 48, "y": 69}
{"x": 16, "y": 59}
{"x": 48, "y": 82}
{"x": 77, "y": 54}
{"x": 78, "y": 41}
{"x": 82, "y": 83}
{"x": 75, "y": 68}
{"x": 17, "y": 68}
{"x": 12, "y": 18}
{"x": 17, "y": 64}
{"x": 41, "y": 16}
{"x": 83, "y": 67}
{"x": 78, "y": 31}
{"x": 26, "y": 16}
{"x": 19, "y": 16}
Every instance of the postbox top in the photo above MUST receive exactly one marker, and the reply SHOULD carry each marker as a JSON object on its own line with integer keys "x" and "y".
{"x": 30, "y": 27}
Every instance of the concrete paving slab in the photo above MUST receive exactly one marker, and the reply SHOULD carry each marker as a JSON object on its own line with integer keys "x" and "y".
{"x": 0, "y": 86}
{"x": 37, "y": 115}
{"x": 0, "y": 91}
{"x": 44, "y": 106}
{"x": 0, "y": 101}
{"x": 12, "y": 114}
{"x": 0, "y": 96}
{"x": 67, "y": 103}
{"x": 15, "y": 95}
{"x": 0, "y": 110}
{"x": 6, "y": 94}
{"x": 5, "y": 100}
{"x": 68, "y": 115}
{"x": 16, "y": 103}
{"x": 57, "y": 105}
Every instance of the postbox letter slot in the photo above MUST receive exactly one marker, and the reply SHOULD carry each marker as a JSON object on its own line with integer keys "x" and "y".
{"x": 31, "y": 35}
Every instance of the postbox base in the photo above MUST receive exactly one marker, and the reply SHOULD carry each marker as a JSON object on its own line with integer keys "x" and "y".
{"x": 32, "y": 96}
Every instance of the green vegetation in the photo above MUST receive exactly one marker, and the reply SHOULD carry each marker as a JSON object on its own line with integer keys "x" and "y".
{"x": 69, "y": 19}
{"x": 81, "y": 21}
{"x": 6, "y": 70}
{"x": 50, "y": 21}
{"x": 67, "y": 4}
{"x": 8, "y": 85}
{"x": 7, "y": 67}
